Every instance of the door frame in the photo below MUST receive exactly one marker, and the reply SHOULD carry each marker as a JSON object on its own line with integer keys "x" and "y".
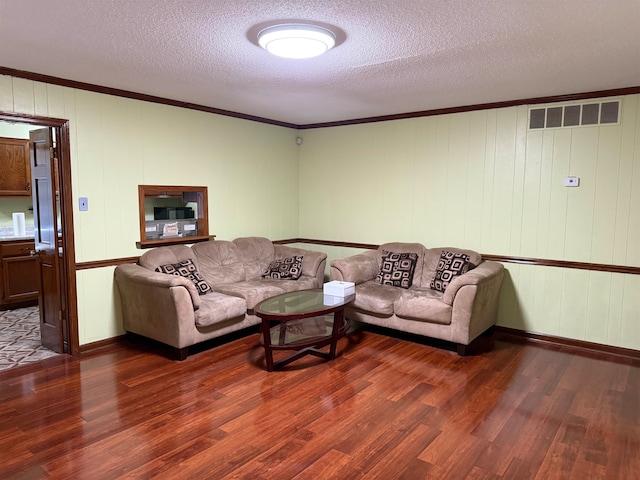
{"x": 63, "y": 146}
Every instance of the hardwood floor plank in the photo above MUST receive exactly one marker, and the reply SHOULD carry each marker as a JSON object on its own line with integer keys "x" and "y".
{"x": 495, "y": 459}
{"x": 478, "y": 473}
{"x": 454, "y": 453}
{"x": 385, "y": 408}
{"x": 416, "y": 469}
{"x": 410, "y": 445}
{"x": 330, "y": 466}
{"x": 563, "y": 451}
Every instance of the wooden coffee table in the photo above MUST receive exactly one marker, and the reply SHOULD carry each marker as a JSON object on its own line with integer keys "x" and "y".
{"x": 307, "y": 320}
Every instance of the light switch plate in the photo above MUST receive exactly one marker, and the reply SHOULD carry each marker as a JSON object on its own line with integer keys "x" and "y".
{"x": 83, "y": 204}
{"x": 572, "y": 181}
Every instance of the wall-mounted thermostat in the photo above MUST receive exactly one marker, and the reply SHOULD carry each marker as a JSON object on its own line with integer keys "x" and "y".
{"x": 572, "y": 181}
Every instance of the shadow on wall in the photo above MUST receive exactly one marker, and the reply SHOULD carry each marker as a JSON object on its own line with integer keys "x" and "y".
{"x": 117, "y": 309}
{"x": 510, "y": 313}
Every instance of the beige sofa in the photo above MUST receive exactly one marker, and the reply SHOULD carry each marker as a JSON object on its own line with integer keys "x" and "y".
{"x": 467, "y": 307}
{"x": 169, "y": 308}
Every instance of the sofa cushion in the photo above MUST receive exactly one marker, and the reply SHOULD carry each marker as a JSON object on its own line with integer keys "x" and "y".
{"x": 303, "y": 283}
{"x": 451, "y": 265}
{"x": 396, "y": 269}
{"x": 289, "y": 268}
{"x": 217, "y": 307}
{"x": 187, "y": 269}
{"x": 256, "y": 254}
{"x": 375, "y": 298}
{"x": 253, "y": 291}
{"x": 166, "y": 255}
{"x": 423, "y": 304}
{"x": 219, "y": 262}
{"x": 310, "y": 262}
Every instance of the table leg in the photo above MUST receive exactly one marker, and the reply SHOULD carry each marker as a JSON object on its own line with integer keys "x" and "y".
{"x": 266, "y": 340}
{"x": 283, "y": 332}
{"x": 337, "y": 324}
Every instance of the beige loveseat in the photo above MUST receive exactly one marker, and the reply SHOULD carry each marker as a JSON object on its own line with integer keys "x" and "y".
{"x": 170, "y": 309}
{"x": 467, "y": 307}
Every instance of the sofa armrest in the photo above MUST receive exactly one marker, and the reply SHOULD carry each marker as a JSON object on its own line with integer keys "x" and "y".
{"x": 482, "y": 274}
{"x": 128, "y": 275}
{"x": 475, "y": 301}
{"x": 357, "y": 268}
{"x": 157, "y": 306}
{"x": 313, "y": 262}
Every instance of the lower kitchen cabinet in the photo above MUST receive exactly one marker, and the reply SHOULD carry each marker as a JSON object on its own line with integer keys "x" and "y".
{"x": 19, "y": 279}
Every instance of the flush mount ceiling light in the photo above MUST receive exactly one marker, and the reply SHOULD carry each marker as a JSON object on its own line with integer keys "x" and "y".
{"x": 296, "y": 40}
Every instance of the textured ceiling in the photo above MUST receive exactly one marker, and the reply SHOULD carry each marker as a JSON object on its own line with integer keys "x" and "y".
{"x": 392, "y": 56}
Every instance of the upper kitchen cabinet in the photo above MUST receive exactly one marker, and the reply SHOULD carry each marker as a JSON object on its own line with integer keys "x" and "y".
{"x": 15, "y": 168}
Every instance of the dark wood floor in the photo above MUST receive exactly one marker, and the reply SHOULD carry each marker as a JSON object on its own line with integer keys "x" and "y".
{"x": 386, "y": 408}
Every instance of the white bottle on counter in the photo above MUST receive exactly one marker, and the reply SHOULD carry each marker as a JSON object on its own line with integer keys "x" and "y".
{"x": 18, "y": 224}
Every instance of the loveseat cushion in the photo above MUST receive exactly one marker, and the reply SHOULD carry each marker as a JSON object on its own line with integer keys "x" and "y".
{"x": 358, "y": 268}
{"x": 396, "y": 269}
{"x": 252, "y": 291}
{"x": 375, "y": 298}
{"x": 450, "y": 266}
{"x": 405, "y": 247}
{"x": 432, "y": 258}
{"x": 217, "y": 307}
{"x": 423, "y": 304}
{"x": 219, "y": 262}
{"x": 256, "y": 254}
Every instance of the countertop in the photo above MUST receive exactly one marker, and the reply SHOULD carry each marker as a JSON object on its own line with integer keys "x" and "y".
{"x": 6, "y": 234}
{"x": 13, "y": 238}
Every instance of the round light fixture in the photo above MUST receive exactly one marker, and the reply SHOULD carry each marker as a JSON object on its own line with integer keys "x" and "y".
{"x": 296, "y": 40}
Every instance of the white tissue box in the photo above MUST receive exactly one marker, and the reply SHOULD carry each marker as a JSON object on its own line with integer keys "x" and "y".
{"x": 331, "y": 300}
{"x": 339, "y": 289}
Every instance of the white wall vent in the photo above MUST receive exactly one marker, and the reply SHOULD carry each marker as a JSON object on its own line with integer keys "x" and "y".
{"x": 575, "y": 115}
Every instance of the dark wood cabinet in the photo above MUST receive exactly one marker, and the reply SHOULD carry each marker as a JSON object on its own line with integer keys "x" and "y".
{"x": 19, "y": 279}
{"x": 15, "y": 168}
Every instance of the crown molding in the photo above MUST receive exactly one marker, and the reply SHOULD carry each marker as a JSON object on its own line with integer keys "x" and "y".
{"x": 63, "y": 82}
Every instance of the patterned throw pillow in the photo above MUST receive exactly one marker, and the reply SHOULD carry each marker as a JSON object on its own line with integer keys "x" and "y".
{"x": 397, "y": 269}
{"x": 188, "y": 270}
{"x": 449, "y": 267}
{"x": 285, "y": 268}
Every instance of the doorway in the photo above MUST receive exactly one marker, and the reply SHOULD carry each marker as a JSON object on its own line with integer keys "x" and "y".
{"x": 63, "y": 291}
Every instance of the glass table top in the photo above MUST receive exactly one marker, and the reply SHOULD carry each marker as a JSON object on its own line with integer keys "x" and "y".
{"x": 303, "y": 301}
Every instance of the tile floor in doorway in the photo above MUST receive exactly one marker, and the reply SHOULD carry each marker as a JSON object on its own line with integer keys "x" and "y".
{"x": 20, "y": 338}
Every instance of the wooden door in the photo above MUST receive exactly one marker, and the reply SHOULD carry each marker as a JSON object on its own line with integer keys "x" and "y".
{"x": 46, "y": 239}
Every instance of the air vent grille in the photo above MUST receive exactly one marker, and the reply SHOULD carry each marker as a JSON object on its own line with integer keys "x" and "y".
{"x": 575, "y": 115}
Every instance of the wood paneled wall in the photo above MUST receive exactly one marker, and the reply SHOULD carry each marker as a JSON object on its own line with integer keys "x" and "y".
{"x": 250, "y": 168}
{"x": 482, "y": 180}
{"x": 477, "y": 179}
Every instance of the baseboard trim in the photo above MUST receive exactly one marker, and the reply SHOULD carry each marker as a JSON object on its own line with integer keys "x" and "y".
{"x": 88, "y": 348}
{"x": 578, "y": 345}
{"x": 510, "y": 334}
